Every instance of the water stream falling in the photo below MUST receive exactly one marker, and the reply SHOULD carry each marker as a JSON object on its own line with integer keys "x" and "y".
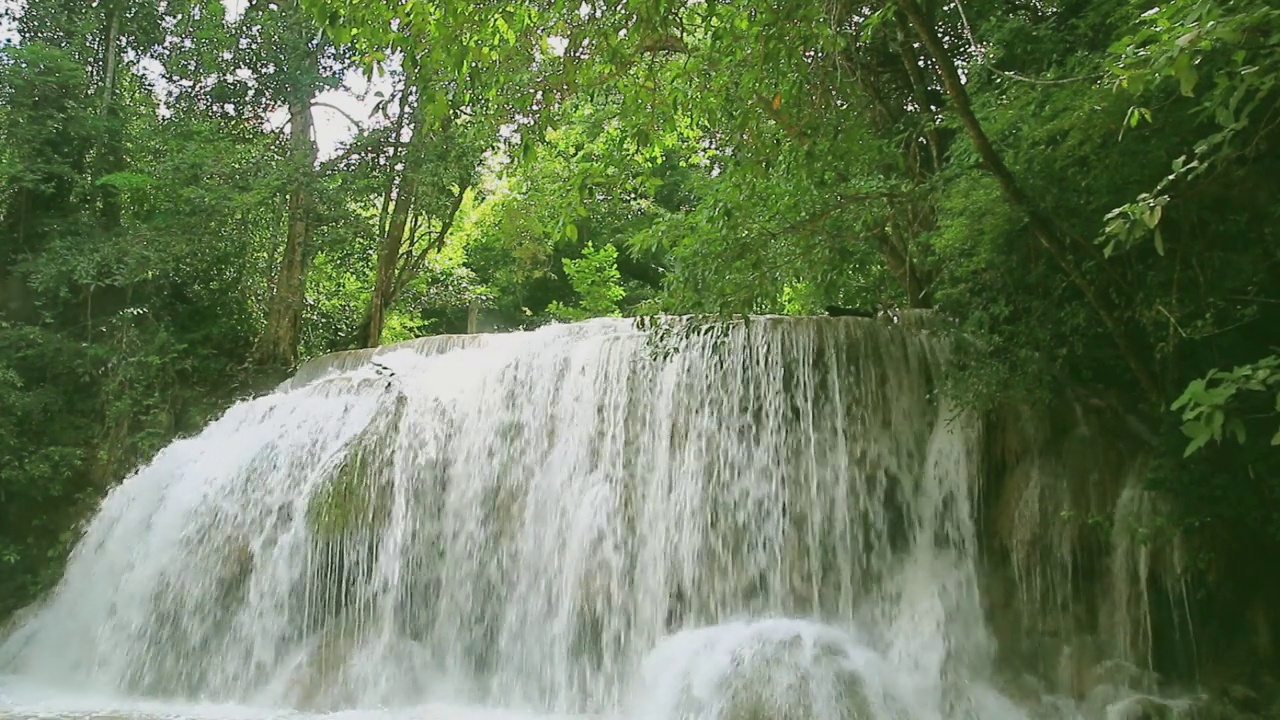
{"x": 762, "y": 519}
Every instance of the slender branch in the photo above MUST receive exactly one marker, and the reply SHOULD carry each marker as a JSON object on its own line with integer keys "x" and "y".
{"x": 842, "y": 202}
{"x": 1201, "y": 336}
{"x": 1034, "y": 81}
{"x": 413, "y": 268}
{"x": 665, "y": 43}
{"x": 911, "y": 64}
{"x": 1041, "y": 226}
{"x": 980, "y": 53}
{"x": 414, "y": 235}
{"x": 340, "y": 111}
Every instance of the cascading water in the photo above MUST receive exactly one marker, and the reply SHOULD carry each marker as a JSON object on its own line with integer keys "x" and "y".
{"x": 764, "y": 518}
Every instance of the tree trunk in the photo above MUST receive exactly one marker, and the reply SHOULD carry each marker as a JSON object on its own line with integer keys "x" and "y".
{"x": 905, "y": 271}
{"x": 412, "y": 267}
{"x": 278, "y": 344}
{"x": 111, "y": 158}
{"x": 384, "y": 282}
{"x": 398, "y": 266}
{"x": 473, "y": 317}
{"x": 111, "y": 57}
{"x": 404, "y": 271}
{"x": 1040, "y": 224}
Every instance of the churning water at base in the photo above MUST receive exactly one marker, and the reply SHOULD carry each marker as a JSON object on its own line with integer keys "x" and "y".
{"x": 760, "y": 519}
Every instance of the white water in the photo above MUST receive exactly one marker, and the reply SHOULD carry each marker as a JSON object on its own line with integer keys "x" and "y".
{"x": 763, "y": 520}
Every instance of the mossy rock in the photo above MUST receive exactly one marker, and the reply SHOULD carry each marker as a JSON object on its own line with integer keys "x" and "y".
{"x": 785, "y": 680}
{"x": 355, "y": 499}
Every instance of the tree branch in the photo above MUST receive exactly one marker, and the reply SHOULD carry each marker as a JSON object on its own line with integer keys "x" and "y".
{"x": 340, "y": 111}
{"x": 1040, "y": 224}
{"x": 413, "y": 268}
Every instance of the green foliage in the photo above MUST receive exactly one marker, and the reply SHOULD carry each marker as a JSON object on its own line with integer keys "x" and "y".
{"x": 39, "y": 460}
{"x": 596, "y": 280}
{"x": 1207, "y": 402}
{"x": 1235, "y": 47}
{"x": 125, "y": 316}
{"x": 1204, "y": 74}
{"x": 810, "y": 164}
{"x": 526, "y": 238}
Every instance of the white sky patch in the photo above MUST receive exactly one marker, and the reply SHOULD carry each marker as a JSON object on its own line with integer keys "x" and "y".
{"x": 355, "y": 100}
{"x": 234, "y": 8}
{"x": 8, "y": 32}
{"x": 335, "y": 109}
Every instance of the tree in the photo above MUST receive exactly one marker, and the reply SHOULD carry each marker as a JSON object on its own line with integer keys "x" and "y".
{"x": 134, "y": 251}
{"x": 436, "y": 168}
{"x": 305, "y": 64}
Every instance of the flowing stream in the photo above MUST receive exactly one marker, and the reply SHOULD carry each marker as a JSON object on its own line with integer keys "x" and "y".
{"x": 736, "y": 521}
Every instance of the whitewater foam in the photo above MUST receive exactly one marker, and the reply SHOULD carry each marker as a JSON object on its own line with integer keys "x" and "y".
{"x": 582, "y": 520}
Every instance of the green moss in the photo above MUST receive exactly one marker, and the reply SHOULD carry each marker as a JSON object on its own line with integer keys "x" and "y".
{"x": 354, "y": 499}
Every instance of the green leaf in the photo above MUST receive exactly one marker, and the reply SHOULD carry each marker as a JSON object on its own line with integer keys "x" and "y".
{"x": 1195, "y": 386}
{"x": 1152, "y": 215}
{"x": 1195, "y": 445}
{"x": 1217, "y": 419}
{"x": 1195, "y": 430}
{"x": 126, "y": 180}
{"x": 1185, "y": 72}
{"x": 1236, "y": 428}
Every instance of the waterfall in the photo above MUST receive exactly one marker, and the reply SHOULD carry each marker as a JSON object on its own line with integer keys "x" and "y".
{"x": 759, "y": 518}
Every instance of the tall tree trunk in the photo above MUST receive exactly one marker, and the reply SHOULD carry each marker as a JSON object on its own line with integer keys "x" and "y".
{"x": 398, "y": 266}
{"x": 473, "y": 317}
{"x": 411, "y": 268}
{"x": 111, "y": 56}
{"x": 384, "y": 289}
{"x": 904, "y": 270}
{"x": 278, "y": 344}
{"x": 406, "y": 269}
{"x": 110, "y": 153}
{"x": 1040, "y": 224}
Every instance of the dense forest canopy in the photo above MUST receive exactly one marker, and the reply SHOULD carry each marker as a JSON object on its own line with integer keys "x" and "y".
{"x": 1084, "y": 191}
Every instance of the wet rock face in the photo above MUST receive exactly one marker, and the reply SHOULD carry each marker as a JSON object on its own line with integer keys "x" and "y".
{"x": 1145, "y": 708}
{"x": 1083, "y": 565}
{"x": 1089, "y": 586}
{"x": 784, "y": 683}
{"x": 1239, "y": 702}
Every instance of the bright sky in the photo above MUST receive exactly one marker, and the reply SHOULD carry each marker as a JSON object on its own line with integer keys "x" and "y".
{"x": 7, "y": 34}
{"x": 355, "y": 99}
{"x": 332, "y": 129}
